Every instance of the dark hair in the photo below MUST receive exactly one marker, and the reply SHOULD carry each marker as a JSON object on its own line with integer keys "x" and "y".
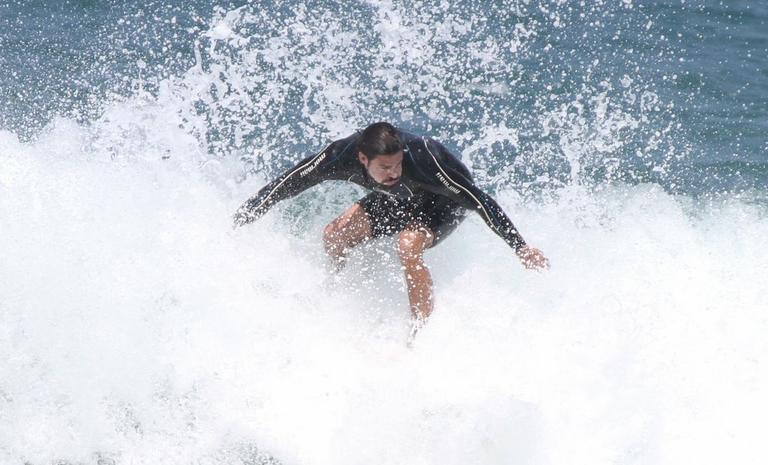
{"x": 379, "y": 139}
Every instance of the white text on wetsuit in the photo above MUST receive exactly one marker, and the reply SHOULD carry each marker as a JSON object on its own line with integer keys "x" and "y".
{"x": 312, "y": 166}
{"x": 446, "y": 183}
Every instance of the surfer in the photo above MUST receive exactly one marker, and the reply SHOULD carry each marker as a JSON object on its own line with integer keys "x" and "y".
{"x": 420, "y": 192}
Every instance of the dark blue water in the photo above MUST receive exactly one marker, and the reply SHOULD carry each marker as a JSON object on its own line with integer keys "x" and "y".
{"x": 692, "y": 77}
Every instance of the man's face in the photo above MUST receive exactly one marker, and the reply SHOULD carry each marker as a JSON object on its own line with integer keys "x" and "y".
{"x": 384, "y": 169}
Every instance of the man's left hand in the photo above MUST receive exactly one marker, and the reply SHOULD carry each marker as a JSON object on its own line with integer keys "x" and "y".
{"x": 533, "y": 258}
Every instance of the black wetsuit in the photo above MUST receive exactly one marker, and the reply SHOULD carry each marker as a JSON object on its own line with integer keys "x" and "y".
{"x": 434, "y": 190}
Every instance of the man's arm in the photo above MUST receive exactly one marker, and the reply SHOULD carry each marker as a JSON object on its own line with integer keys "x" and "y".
{"x": 294, "y": 181}
{"x": 461, "y": 189}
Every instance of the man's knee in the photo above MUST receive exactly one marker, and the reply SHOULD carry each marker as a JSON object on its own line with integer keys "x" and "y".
{"x": 411, "y": 245}
{"x": 329, "y": 232}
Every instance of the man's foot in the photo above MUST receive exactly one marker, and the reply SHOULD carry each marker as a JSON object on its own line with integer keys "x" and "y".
{"x": 416, "y": 324}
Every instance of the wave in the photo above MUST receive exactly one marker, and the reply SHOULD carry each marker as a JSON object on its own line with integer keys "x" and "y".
{"x": 139, "y": 327}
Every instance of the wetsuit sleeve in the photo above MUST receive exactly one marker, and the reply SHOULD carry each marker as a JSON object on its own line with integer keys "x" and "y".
{"x": 455, "y": 183}
{"x": 307, "y": 173}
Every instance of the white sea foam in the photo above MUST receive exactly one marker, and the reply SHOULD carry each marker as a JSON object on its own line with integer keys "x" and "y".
{"x": 138, "y": 327}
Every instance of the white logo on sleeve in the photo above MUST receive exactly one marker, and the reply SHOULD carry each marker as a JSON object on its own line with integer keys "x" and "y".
{"x": 447, "y": 184}
{"x": 312, "y": 166}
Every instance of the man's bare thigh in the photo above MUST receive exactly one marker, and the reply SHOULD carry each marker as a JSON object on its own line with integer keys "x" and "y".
{"x": 351, "y": 227}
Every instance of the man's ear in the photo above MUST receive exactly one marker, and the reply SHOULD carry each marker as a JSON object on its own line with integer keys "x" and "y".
{"x": 363, "y": 159}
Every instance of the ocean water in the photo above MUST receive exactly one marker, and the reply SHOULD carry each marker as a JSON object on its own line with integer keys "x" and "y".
{"x": 626, "y": 139}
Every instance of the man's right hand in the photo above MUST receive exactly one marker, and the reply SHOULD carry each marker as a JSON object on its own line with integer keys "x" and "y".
{"x": 532, "y": 258}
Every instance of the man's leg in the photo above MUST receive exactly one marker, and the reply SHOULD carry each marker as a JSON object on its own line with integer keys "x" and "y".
{"x": 348, "y": 230}
{"x": 410, "y": 246}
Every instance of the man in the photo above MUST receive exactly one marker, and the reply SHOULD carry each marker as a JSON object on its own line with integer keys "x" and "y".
{"x": 421, "y": 192}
